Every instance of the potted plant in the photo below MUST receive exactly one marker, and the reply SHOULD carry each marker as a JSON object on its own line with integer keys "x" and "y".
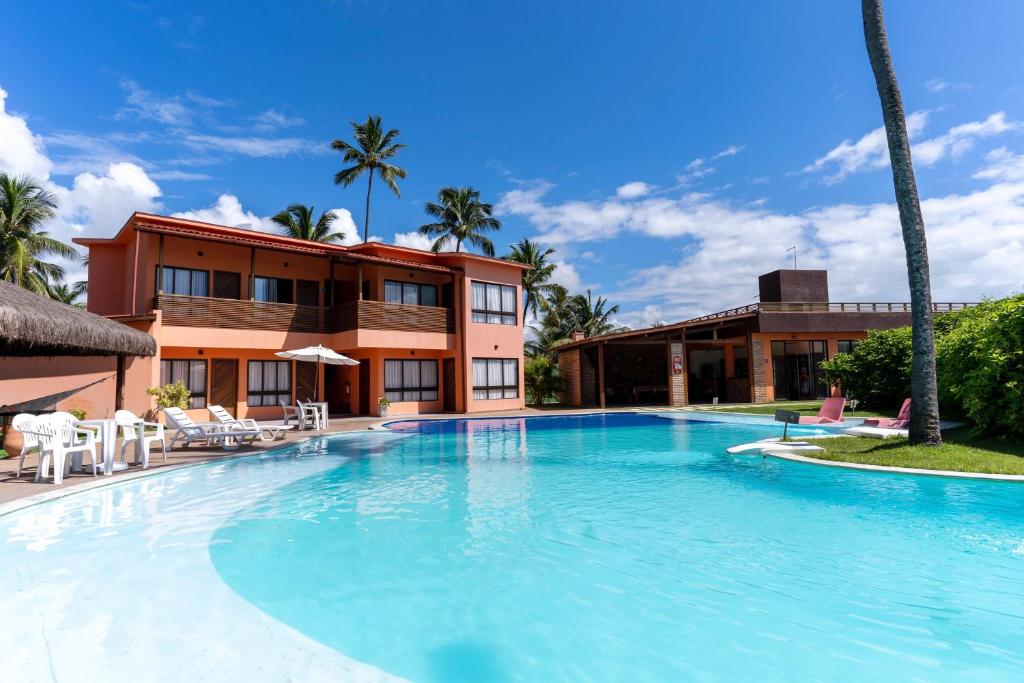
{"x": 383, "y": 406}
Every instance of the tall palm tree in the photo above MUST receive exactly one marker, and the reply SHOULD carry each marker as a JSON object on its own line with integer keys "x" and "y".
{"x": 297, "y": 221}
{"x": 924, "y": 418}
{"x": 591, "y": 316}
{"x": 461, "y": 217}
{"x": 535, "y": 280}
{"x": 24, "y": 207}
{"x": 374, "y": 146}
{"x": 68, "y": 294}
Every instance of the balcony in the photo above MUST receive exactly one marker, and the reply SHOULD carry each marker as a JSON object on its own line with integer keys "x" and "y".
{"x": 197, "y": 311}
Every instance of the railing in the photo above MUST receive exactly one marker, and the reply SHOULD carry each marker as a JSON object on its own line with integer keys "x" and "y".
{"x": 830, "y": 307}
{"x": 378, "y": 315}
{"x": 197, "y": 311}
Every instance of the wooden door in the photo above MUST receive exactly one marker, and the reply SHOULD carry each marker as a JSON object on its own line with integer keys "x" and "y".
{"x": 305, "y": 382}
{"x": 364, "y": 386}
{"x": 224, "y": 384}
{"x": 227, "y": 285}
{"x": 449, "y": 385}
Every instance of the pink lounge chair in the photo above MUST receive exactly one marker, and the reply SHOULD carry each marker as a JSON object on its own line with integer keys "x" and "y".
{"x": 831, "y": 411}
{"x": 899, "y": 422}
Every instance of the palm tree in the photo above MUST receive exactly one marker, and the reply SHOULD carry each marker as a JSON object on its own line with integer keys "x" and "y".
{"x": 535, "y": 280}
{"x": 591, "y": 317}
{"x": 66, "y": 294}
{"x": 924, "y": 418}
{"x": 24, "y": 207}
{"x": 297, "y": 221}
{"x": 555, "y": 327}
{"x": 462, "y": 217}
{"x": 373, "y": 148}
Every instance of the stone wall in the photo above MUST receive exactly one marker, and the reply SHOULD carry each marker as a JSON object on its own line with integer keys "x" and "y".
{"x": 757, "y": 369}
{"x": 677, "y": 383}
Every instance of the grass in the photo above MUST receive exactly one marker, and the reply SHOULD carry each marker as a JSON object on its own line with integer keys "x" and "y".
{"x": 4, "y": 454}
{"x": 810, "y": 408}
{"x": 962, "y": 451}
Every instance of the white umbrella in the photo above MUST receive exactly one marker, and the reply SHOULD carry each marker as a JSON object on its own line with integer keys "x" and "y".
{"x": 317, "y": 354}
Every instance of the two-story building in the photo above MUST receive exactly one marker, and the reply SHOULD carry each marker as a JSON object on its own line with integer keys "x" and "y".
{"x": 432, "y": 332}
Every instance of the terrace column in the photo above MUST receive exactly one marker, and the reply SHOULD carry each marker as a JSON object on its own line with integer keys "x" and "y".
{"x": 359, "y": 281}
{"x": 677, "y": 373}
{"x": 119, "y": 384}
{"x": 600, "y": 374}
{"x": 252, "y": 273}
{"x": 160, "y": 267}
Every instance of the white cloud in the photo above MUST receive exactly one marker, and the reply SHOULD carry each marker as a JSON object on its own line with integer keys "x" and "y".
{"x": 937, "y": 85}
{"x": 1004, "y": 165}
{"x": 145, "y": 105}
{"x": 722, "y": 247}
{"x": 730, "y": 151}
{"x": 344, "y": 223}
{"x": 566, "y": 275}
{"x": 253, "y": 146}
{"x": 177, "y": 174}
{"x": 227, "y": 210}
{"x": 100, "y": 204}
{"x": 414, "y": 240}
{"x": 871, "y": 151}
{"x": 272, "y": 119}
{"x": 20, "y": 151}
{"x": 633, "y": 190}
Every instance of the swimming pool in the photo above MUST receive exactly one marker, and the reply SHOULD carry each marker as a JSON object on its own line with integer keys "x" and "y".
{"x": 589, "y": 548}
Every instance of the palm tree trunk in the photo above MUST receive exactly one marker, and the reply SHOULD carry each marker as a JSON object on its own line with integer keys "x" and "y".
{"x": 366, "y": 220}
{"x": 924, "y": 418}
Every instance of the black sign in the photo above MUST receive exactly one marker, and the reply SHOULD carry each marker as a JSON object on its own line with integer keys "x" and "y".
{"x": 788, "y": 416}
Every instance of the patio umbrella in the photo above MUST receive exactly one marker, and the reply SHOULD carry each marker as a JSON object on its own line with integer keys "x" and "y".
{"x": 319, "y": 355}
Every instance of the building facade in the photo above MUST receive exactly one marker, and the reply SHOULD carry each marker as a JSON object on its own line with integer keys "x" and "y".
{"x": 432, "y": 332}
{"x": 766, "y": 351}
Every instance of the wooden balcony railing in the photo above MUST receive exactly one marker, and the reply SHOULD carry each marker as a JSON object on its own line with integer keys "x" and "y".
{"x": 836, "y": 307}
{"x": 198, "y": 311}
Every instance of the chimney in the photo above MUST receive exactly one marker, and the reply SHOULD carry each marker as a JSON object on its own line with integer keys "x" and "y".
{"x": 798, "y": 286}
{"x": 577, "y": 335}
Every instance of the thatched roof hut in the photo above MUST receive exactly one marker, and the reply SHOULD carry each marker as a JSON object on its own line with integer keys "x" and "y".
{"x": 32, "y": 325}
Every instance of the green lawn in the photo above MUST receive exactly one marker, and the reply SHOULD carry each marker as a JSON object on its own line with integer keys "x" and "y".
{"x": 961, "y": 452}
{"x": 804, "y": 408}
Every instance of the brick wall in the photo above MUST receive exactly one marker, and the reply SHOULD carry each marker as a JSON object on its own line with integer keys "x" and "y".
{"x": 677, "y": 383}
{"x": 588, "y": 376}
{"x": 757, "y": 361}
{"x": 569, "y": 372}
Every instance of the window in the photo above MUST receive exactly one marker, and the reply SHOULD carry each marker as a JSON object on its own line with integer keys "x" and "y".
{"x": 270, "y": 382}
{"x": 191, "y": 372}
{"x": 848, "y": 346}
{"x": 494, "y": 304}
{"x": 185, "y": 281}
{"x": 272, "y": 290}
{"x": 495, "y": 378}
{"x": 410, "y": 380}
{"x": 409, "y": 293}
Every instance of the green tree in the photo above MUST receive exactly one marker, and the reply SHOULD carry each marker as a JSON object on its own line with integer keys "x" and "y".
{"x": 24, "y": 207}
{"x": 593, "y": 316}
{"x": 535, "y": 280}
{"x": 370, "y": 153}
{"x": 68, "y": 294}
{"x": 297, "y": 221}
{"x": 924, "y": 419}
{"x": 556, "y": 325}
{"x": 461, "y": 217}
{"x": 541, "y": 378}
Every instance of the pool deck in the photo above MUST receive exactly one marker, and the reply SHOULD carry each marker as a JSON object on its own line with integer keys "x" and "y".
{"x": 16, "y": 492}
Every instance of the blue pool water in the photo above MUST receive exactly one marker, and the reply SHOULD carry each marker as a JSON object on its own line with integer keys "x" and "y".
{"x": 593, "y": 548}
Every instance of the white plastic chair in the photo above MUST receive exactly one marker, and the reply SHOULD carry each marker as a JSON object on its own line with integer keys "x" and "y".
{"x": 59, "y": 439}
{"x": 290, "y": 413}
{"x": 23, "y": 422}
{"x": 309, "y": 414}
{"x": 133, "y": 431}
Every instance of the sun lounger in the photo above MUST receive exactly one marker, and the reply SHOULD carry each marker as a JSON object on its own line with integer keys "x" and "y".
{"x": 758, "y": 446}
{"x": 831, "y": 412}
{"x": 877, "y": 432}
{"x": 267, "y": 431}
{"x": 899, "y": 422}
{"x": 207, "y": 432}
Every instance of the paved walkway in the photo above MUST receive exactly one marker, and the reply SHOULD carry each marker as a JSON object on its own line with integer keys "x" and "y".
{"x": 13, "y": 488}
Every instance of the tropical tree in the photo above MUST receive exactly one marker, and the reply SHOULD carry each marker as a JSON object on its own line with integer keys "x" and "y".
{"x": 68, "y": 294}
{"x": 541, "y": 378}
{"x": 24, "y": 207}
{"x": 297, "y": 221}
{"x": 593, "y": 317}
{"x": 555, "y": 326}
{"x": 924, "y": 419}
{"x": 461, "y": 217}
{"x": 535, "y": 280}
{"x": 370, "y": 153}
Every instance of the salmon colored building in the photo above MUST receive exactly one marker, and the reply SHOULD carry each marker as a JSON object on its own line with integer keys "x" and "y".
{"x": 765, "y": 351}
{"x": 432, "y": 332}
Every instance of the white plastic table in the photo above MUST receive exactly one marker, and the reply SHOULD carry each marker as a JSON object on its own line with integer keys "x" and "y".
{"x": 107, "y": 430}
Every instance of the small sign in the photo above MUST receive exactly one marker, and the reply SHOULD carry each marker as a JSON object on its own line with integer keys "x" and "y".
{"x": 788, "y": 416}
{"x": 677, "y": 365}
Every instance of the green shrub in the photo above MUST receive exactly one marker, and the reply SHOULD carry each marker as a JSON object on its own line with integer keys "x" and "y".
{"x": 77, "y": 412}
{"x": 541, "y": 378}
{"x": 174, "y": 395}
{"x": 980, "y": 359}
{"x": 877, "y": 373}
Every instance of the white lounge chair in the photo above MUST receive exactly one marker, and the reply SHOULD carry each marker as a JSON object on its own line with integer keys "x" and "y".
{"x": 878, "y": 432}
{"x": 58, "y": 439}
{"x": 23, "y": 423}
{"x": 205, "y": 432}
{"x": 133, "y": 431}
{"x": 273, "y": 431}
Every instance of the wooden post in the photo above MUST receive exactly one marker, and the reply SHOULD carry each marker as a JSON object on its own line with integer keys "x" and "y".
{"x": 686, "y": 369}
{"x": 750, "y": 357}
{"x": 359, "y": 283}
{"x": 252, "y": 273}
{"x": 332, "y": 282}
{"x": 119, "y": 384}
{"x": 160, "y": 267}
{"x": 600, "y": 373}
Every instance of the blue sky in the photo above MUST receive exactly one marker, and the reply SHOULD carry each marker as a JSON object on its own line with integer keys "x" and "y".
{"x": 669, "y": 151}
